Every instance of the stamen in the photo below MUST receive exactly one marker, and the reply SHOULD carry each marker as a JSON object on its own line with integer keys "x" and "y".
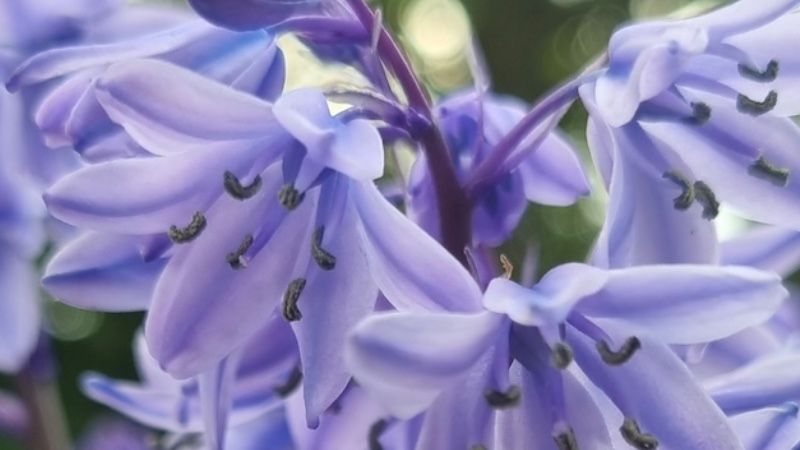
{"x": 621, "y": 356}
{"x": 503, "y": 400}
{"x": 767, "y": 75}
{"x": 190, "y": 232}
{"x": 289, "y": 197}
{"x": 633, "y": 435}
{"x": 764, "y": 170}
{"x": 375, "y": 432}
{"x": 562, "y": 355}
{"x": 685, "y": 200}
{"x": 324, "y": 258}
{"x": 701, "y": 113}
{"x": 508, "y": 268}
{"x": 234, "y": 187}
{"x": 290, "y": 310}
{"x": 752, "y": 107}
{"x": 566, "y": 440}
{"x": 235, "y": 259}
{"x": 705, "y": 196}
{"x": 292, "y": 383}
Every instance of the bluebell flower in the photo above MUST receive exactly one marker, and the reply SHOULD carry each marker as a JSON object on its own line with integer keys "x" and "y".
{"x": 256, "y": 380}
{"x": 70, "y": 115}
{"x": 615, "y": 324}
{"x": 472, "y": 125}
{"x": 664, "y": 119}
{"x": 256, "y": 207}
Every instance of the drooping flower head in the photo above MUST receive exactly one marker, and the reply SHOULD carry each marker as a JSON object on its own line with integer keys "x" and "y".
{"x": 694, "y": 113}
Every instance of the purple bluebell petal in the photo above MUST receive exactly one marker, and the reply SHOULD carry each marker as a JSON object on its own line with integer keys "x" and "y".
{"x": 160, "y": 409}
{"x": 553, "y": 174}
{"x": 253, "y": 14}
{"x": 774, "y": 428}
{"x": 551, "y": 300}
{"x": 150, "y": 98}
{"x": 411, "y": 269}
{"x": 19, "y": 310}
{"x": 642, "y": 225}
{"x": 354, "y": 149}
{"x": 62, "y": 61}
{"x": 102, "y": 272}
{"x": 461, "y": 417}
{"x": 773, "y": 249}
{"x": 334, "y": 301}
{"x": 692, "y": 304}
{"x": 407, "y": 359}
{"x": 215, "y": 387}
{"x": 145, "y": 195}
{"x": 768, "y": 381}
{"x": 742, "y": 15}
{"x": 270, "y": 428}
{"x": 347, "y": 427}
{"x": 669, "y": 405}
{"x": 203, "y": 307}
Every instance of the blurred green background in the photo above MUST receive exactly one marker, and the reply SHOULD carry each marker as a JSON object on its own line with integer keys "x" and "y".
{"x": 529, "y": 45}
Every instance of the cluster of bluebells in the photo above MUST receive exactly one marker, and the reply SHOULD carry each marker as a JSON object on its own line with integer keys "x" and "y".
{"x": 302, "y": 291}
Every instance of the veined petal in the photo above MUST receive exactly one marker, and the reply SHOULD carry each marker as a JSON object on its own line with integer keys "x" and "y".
{"x": 411, "y": 269}
{"x": 103, "y": 272}
{"x": 252, "y": 14}
{"x": 164, "y": 105}
{"x": 742, "y": 15}
{"x": 772, "y": 249}
{"x": 691, "y": 303}
{"x": 643, "y": 225}
{"x": 354, "y": 149}
{"x": 407, "y": 359}
{"x": 19, "y": 310}
{"x": 145, "y": 195}
{"x": 215, "y": 387}
{"x": 727, "y": 167}
{"x": 159, "y": 409}
{"x": 656, "y": 389}
{"x": 333, "y": 302}
{"x": 550, "y": 301}
{"x": 203, "y": 308}
{"x": 774, "y": 428}
{"x": 553, "y": 174}
{"x": 61, "y": 61}
{"x": 765, "y": 382}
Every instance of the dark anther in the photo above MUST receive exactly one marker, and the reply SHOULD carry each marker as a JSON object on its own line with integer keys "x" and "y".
{"x": 701, "y": 113}
{"x": 562, "y": 355}
{"x": 764, "y": 170}
{"x": 755, "y": 108}
{"x": 621, "y": 356}
{"x": 634, "y": 436}
{"x": 190, "y": 232}
{"x": 234, "y": 187}
{"x": 502, "y": 400}
{"x": 323, "y": 257}
{"x": 685, "y": 200}
{"x": 292, "y": 383}
{"x": 705, "y": 196}
{"x": 290, "y": 197}
{"x": 290, "y": 310}
{"x": 566, "y": 440}
{"x": 508, "y": 268}
{"x": 235, "y": 258}
{"x": 375, "y": 432}
{"x": 767, "y": 75}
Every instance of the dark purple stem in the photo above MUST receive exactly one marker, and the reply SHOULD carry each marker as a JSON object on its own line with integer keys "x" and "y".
{"x": 455, "y": 209}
